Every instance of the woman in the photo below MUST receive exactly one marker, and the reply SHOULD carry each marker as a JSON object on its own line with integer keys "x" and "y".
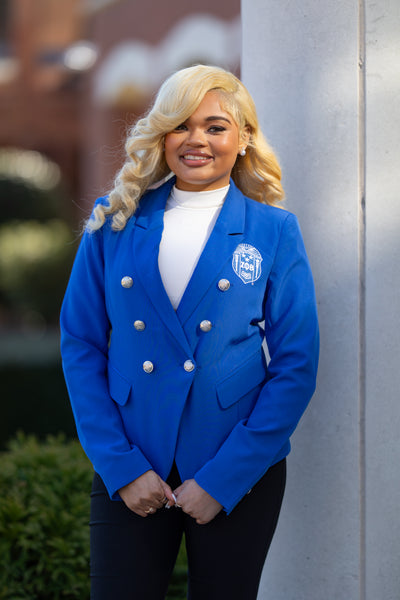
{"x": 162, "y": 330}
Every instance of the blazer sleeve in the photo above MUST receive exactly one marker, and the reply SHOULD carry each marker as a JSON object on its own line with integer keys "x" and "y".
{"x": 85, "y": 331}
{"x": 292, "y": 336}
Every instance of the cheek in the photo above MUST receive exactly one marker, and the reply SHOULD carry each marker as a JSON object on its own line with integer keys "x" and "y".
{"x": 228, "y": 154}
{"x": 229, "y": 148}
{"x": 170, "y": 151}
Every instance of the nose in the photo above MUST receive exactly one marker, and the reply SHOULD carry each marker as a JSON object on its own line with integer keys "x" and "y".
{"x": 196, "y": 137}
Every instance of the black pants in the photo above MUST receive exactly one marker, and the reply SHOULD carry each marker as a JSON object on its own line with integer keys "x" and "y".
{"x": 133, "y": 557}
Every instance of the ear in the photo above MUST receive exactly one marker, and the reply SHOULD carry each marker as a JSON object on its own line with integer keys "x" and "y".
{"x": 244, "y": 137}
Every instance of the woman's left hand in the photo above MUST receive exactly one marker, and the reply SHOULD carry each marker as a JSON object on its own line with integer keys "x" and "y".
{"x": 196, "y": 502}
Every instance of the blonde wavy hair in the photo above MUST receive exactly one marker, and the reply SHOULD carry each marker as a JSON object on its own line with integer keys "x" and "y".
{"x": 257, "y": 174}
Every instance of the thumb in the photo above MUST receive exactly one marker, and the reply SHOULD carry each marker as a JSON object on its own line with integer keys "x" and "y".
{"x": 168, "y": 493}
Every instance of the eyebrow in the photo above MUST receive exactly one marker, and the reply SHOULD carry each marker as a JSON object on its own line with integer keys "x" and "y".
{"x": 217, "y": 118}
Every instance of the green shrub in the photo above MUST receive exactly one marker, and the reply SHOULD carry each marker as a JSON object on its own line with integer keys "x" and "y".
{"x": 35, "y": 260}
{"x": 44, "y": 515}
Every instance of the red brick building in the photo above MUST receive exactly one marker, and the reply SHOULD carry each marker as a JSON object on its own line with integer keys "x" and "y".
{"x": 75, "y": 73}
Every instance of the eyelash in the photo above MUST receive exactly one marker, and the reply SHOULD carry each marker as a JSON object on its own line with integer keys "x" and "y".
{"x": 212, "y": 129}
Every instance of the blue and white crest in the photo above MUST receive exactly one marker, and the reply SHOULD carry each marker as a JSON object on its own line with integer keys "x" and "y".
{"x": 246, "y": 262}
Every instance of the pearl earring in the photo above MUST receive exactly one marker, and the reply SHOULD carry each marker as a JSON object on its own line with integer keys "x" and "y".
{"x": 242, "y": 152}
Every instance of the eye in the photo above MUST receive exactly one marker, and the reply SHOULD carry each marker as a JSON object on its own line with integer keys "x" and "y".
{"x": 181, "y": 127}
{"x": 216, "y": 129}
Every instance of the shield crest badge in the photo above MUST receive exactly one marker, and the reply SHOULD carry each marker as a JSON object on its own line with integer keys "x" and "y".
{"x": 246, "y": 262}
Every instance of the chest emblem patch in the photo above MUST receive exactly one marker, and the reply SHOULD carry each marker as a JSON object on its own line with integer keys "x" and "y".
{"x": 246, "y": 262}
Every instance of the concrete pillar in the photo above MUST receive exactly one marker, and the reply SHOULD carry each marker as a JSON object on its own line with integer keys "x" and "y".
{"x": 326, "y": 81}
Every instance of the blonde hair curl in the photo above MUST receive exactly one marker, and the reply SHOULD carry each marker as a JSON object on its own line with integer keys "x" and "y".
{"x": 257, "y": 174}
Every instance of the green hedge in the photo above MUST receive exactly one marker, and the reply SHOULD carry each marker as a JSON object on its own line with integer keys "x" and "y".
{"x": 44, "y": 514}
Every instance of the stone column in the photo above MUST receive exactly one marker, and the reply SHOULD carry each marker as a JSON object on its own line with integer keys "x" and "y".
{"x": 326, "y": 80}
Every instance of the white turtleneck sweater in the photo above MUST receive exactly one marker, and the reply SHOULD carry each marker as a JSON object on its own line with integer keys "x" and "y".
{"x": 189, "y": 218}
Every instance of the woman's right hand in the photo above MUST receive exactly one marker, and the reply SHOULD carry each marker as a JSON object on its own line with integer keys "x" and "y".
{"x": 146, "y": 494}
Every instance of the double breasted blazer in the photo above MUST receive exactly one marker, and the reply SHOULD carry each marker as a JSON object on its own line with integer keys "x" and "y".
{"x": 149, "y": 384}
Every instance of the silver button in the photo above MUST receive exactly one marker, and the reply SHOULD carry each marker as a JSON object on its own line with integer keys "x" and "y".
{"x": 188, "y": 366}
{"x": 206, "y": 325}
{"x": 139, "y": 325}
{"x": 224, "y": 284}
{"x": 148, "y": 366}
{"x": 127, "y": 282}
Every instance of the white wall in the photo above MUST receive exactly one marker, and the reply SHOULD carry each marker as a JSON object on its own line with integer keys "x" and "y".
{"x": 334, "y": 120}
{"x": 383, "y": 300}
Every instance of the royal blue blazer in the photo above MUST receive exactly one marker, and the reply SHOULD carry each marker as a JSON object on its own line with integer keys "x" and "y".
{"x": 175, "y": 387}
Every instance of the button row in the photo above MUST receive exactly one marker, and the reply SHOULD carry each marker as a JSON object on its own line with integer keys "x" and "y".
{"x": 223, "y": 284}
{"x": 188, "y": 365}
{"x": 204, "y": 325}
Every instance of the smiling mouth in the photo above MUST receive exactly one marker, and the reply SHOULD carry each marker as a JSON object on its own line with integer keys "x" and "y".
{"x": 198, "y": 158}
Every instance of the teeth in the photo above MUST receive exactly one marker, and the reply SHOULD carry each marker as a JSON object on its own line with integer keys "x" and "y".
{"x": 194, "y": 157}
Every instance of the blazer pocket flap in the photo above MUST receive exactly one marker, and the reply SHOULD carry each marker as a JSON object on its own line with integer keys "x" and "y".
{"x": 241, "y": 381}
{"x": 119, "y": 387}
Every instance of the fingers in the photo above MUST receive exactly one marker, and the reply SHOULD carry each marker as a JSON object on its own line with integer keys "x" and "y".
{"x": 149, "y": 493}
{"x": 161, "y": 496}
{"x": 145, "y": 495}
{"x": 154, "y": 503}
{"x": 179, "y": 489}
{"x": 170, "y": 497}
{"x": 168, "y": 494}
{"x": 150, "y": 507}
{"x": 172, "y": 502}
{"x": 196, "y": 502}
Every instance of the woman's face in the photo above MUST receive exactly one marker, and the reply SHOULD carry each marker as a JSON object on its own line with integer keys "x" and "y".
{"x": 202, "y": 150}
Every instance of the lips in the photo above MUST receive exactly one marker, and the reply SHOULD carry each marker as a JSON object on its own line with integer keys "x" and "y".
{"x": 195, "y": 156}
{"x": 195, "y": 159}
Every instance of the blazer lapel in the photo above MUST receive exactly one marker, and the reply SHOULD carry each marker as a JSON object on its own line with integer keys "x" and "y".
{"x": 225, "y": 236}
{"x": 146, "y": 243}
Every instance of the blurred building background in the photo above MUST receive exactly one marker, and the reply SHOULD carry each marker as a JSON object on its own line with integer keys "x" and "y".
{"x": 74, "y": 76}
